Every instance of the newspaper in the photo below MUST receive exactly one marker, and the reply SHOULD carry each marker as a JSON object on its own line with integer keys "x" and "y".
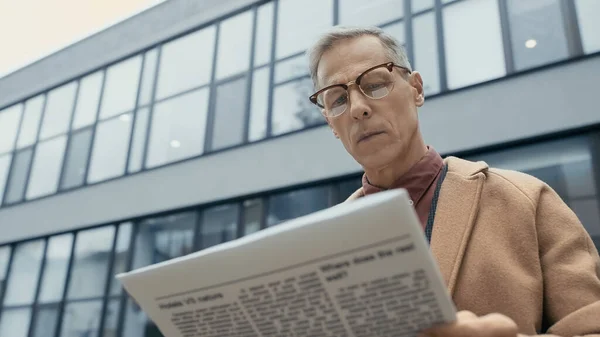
{"x": 359, "y": 269}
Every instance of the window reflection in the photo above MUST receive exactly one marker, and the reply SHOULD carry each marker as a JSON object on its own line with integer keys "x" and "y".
{"x": 22, "y": 280}
{"x": 55, "y": 270}
{"x": 15, "y": 322}
{"x": 9, "y": 125}
{"x": 111, "y": 142}
{"x": 59, "y": 107}
{"x": 88, "y": 99}
{"x": 371, "y": 13}
{"x": 120, "y": 89}
{"x": 31, "y": 121}
{"x": 90, "y": 265}
{"x": 230, "y": 111}
{"x": 77, "y": 158}
{"x": 264, "y": 34}
{"x": 112, "y": 314}
{"x": 259, "y": 105}
{"x": 121, "y": 256}
{"x": 426, "y": 52}
{"x": 15, "y": 187}
{"x": 291, "y": 108}
{"x": 291, "y": 68}
{"x": 81, "y": 319}
{"x": 253, "y": 214}
{"x": 219, "y": 224}
{"x": 235, "y": 37}
{"x": 45, "y": 170}
{"x": 297, "y": 203}
{"x": 45, "y": 320}
{"x": 137, "y": 324}
{"x": 589, "y": 25}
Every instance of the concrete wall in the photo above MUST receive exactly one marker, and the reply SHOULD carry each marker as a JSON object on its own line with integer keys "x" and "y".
{"x": 533, "y": 104}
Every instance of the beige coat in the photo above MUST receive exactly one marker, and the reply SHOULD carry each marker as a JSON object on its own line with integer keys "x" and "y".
{"x": 505, "y": 242}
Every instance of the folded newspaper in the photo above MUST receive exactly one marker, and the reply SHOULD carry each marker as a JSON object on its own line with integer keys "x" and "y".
{"x": 360, "y": 269}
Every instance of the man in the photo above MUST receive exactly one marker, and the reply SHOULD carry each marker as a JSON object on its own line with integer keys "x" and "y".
{"x": 515, "y": 258}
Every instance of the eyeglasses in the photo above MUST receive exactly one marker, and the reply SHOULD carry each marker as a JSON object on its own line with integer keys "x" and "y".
{"x": 375, "y": 83}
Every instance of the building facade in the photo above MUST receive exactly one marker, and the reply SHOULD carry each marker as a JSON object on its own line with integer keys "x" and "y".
{"x": 189, "y": 125}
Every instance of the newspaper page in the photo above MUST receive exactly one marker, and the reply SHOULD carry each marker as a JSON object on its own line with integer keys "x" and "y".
{"x": 360, "y": 269}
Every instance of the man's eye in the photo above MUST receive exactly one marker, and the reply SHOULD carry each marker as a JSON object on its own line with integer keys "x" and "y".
{"x": 339, "y": 101}
{"x": 375, "y": 86}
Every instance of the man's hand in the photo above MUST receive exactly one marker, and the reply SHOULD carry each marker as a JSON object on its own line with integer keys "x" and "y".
{"x": 469, "y": 325}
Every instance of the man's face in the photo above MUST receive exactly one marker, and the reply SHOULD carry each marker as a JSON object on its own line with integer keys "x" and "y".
{"x": 374, "y": 131}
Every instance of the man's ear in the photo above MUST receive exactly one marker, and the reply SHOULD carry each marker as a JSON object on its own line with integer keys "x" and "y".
{"x": 416, "y": 81}
{"x": 332, "y": 129}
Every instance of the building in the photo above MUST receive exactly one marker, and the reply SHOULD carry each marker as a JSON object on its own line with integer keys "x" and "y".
{"x": 188, "y": 125}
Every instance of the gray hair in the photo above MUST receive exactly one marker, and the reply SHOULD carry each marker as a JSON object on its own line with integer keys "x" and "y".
{"x": 393, "y": 47}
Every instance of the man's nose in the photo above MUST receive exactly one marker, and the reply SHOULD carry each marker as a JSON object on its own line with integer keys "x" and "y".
{"x": 359, "y": 105}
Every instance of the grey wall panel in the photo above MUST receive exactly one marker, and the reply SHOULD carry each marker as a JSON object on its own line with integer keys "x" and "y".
{"x": 141, "y": 31}
{"x": 533, "y": 104}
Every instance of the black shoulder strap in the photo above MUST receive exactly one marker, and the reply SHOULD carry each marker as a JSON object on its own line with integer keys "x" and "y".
{"x": 436, "y": 195}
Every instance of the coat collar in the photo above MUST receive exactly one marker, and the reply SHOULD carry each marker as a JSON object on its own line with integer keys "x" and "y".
{"x": 456, "y": 211}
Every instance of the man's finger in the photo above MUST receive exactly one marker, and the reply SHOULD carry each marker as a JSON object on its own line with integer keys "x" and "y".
{"x": 469, "y": 325}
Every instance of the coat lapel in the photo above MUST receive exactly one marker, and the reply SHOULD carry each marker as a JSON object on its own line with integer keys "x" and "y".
{"x": 455, "y": 216}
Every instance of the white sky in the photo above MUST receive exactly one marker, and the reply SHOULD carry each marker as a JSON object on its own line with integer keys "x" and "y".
{"x": 32, "y": 29}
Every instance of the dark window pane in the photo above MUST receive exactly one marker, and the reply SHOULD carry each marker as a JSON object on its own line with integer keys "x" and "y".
{"x": 15, "y": 322}
{"x": 15, "y": 187}
{"x": 139, "y": 139}
{"x": 76, "y": 160}
{"x": 24, "y": 273}
{"x": 164, "y": 238}
{"x": 59, "y": 108}
{"x": 4, "y": 257}
{"x": 120, "y": 89}
{"x": 55, "y": 271}
{"x": 259, "y": 105}
{"x": 372, "y": 13}
{"x": 148, "y": 76}
{"x": 291, "y": 108}
{"x": 426, "y": 52}
{"x": 109, "y": 155}
{"x": 121, "y": 256}
{"x": 178, "y": 128}
{"x": 31, "y": 121}
{"x": 537, "y": 32}
{"x": 112, "y": 315}
{"x": 81, "y": 319}
{"x": 349, "y": 187}
{"x": 137, "y": 324}
{"x": 589, "y": 214}
{"x": 45, "y": 320}
{"x": 235, "y": 37}
{"x": 4, "y": 169}
{"x": 88, "y": 99}
{"x": 46, "y": 166}
{"x": 229, "y": 114}
{"x": 219, "y": 224}
{"x": 186, "y": 62}
{"x": 92, "y": 252}
{"x": 297, "y": 203}
{"x": 264, "y": 34}
{"x": 9, "y": 125}
{"x": 253, "y": 214}
{"x": 589, "y": 25}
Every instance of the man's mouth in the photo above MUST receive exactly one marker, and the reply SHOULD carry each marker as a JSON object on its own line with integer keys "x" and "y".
{"x": 368, "y": 135}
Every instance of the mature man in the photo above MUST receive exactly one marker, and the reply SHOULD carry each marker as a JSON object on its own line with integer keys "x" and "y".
{"x": 515, "y": 258}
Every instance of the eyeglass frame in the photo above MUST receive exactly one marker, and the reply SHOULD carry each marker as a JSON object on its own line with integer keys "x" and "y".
{"x": 388, "y": 65}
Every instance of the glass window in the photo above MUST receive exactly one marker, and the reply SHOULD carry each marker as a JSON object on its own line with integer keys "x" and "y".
{"x": 137, "y": 324}
{"x": 426, "y": 52}
{"x": 186, "y": 63}
{"x": 92, "y": 252}
{"x": 121, "y": 256}
{"x": 88, "y": 99}
{"x": 15, "y": 187}
{"x": 297, "y": 203}
{"x": 4, "y": 258}
{"x": 59, "y": 109}
{"x": 46, "y": 167}
{"x": 164, "y": 238}
{"x": 9, "y": 126}
{"x": 473, "y": 55}
{"x": 76, "y": 160}
{"x": 148, "y": 76}
{"x": 235, "y": 37}
{"x": 371, "y": 13}
{"x": 120, "y": 89}
{"x": 348, "y": 187}
{"x": 537, "y": 32}
{"x": 230, "y": 112}
{"x": 178, "y": 127}
{"x": 113, "y": 312}
{"x": 397, "y": 31}
{"x": 24, "y": 273}
{"x": 15, "y": 322}
{"x": 291, "y": 108}
{"x": 31, "y": 121}
{"x": 139, "y": 140}
{"x": 81, "y": 319}
{"x": 4, "y": 168}
{"x": 45, "y": 320}
{"x": 264, "y": 34}
{"x": 421, "y": 5}
{"x": 253, "y": 214}
{"x": 219, "y": 224}
{"x": 55, "y": 270}
{"x": 294, "y": 32}
{"x": 109, "y": 155}
{"x": 291, "y": 68}
{"x": 588, "y": 213}
{"x": 589, "y": 25}
{"x": 259, "y": 104}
